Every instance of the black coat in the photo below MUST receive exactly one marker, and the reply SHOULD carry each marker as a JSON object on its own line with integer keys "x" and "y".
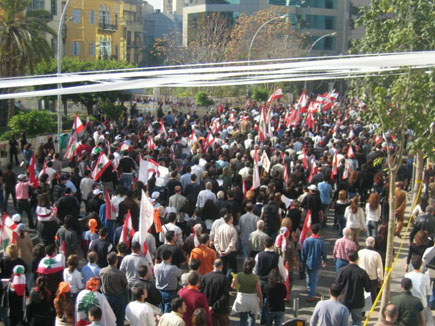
{"x": 216, "y": 287}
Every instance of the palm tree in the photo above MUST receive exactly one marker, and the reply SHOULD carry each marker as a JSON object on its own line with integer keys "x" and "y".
{"x": 22, "y": 39}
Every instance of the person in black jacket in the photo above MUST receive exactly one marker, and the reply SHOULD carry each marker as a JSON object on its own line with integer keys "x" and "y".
{"x": 102, "y": 247}
{"x": 354, "y": 280}
{"x": 154, "y": 296}
{"x": 68, "y": 205}
{"x": 426, "y": 223}
{"x": 216, "y": 288}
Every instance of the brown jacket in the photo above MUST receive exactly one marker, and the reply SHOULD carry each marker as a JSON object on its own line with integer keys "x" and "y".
{"x": 400, "y": 203}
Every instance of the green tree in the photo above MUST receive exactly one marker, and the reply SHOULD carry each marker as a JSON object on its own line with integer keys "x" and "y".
{"x": 260, "y": 94}
{"x": 75, "y": 65}
{"x": 33, "y": 122}
{"x": 22, "y": 39}
{"x": 202, "y": 99}
{"x": 401, "y": 101}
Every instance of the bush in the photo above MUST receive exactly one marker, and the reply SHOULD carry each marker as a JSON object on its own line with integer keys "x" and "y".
{"x": 260, "y": 94}
{"x": 202, "y": 99}
{"x": 33, "y": 123}
{"x": 111, "y": 110}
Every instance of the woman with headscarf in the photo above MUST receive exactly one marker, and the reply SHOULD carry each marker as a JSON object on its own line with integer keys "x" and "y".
{"x": 17, "y": 295}
{"x": 40, "y": 308}
{"x": 91, "y": 234}
{"x": 64, "y": 305}
{"x": 91, "y": 297}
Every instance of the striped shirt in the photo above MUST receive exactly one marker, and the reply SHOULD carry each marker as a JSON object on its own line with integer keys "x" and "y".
{"x": 342, "y": 247}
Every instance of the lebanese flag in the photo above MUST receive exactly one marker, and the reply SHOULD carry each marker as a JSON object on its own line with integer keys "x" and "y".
{"x": 334, "y": 170}
{"x": 146, "y": 220}
{"x": 244, "y": 188}
{"x": 19, "y": 280}
{"x": 303, "y": 101}
{"x": 127, "y": 230}
{"x": 124, "y": 147}
{"x": 162, "y": 130}
{"x": 351, "y": 134}
{"x": 110, "y": 209}
{"x": 193, "y": 137}
{"x": 256, "y": 175}
{"x": 71, "y": 147}
{"x": 306, "y": 228}
{"x": 150, "y": 128}
{"x": 78, "y": 125}
{"x": 209, "y": 141}
{"x": 150, "y": 143}
{"x": 305, "y": 160}
{"x": 262, "y": 125}
{"x": 378, "y": 139}
{"x": 215, "y": 126}
{"x": 310, "y": 122}
{"x": 350, "y": 153}
{"x": 346, "y": 170}
{"x": 295, "y": 117}
{"x": 50, "y": 265}
{"x": 313, "y": 170}
{"x": 31, "y": 170}
{"x": 286, "y": 174}
{"x": 275, "y": 95}
{"x": 103, "y": 163}
{"x": 153, "y": 167}
{"x": 8, "y": 231}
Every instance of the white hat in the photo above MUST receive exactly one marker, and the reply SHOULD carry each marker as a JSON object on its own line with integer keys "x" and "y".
{"x": 16, "y": 218}
{"x": 312, "y": 187}
{"x": 21, "y": 176}
{"x": 97, "y": 192}
{"x": 118, "y": 137}
{"x": 155, "y": 195}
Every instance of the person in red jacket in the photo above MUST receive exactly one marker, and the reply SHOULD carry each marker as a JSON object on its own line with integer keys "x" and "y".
{"x": 194, "y": 299}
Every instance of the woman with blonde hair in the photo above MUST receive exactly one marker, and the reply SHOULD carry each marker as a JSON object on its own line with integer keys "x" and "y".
{"x": 9, "y": 261}
{"x": 373, "y": 214}
{"x": 355, "y": 219}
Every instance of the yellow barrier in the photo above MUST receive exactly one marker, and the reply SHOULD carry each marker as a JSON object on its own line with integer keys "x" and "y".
{"x": 389, "y": 270}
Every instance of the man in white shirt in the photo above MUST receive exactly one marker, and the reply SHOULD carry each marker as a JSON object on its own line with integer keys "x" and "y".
{"x": 50, "y": 171}
{"x": 175, "y": 317}
{"x": 225, "y": 241}
{"x": 371, "y": 261}
{"x": 139, "y": 312}
{"x": 172, "y": 218}
{"x": 205, "y": 195}
{"x": 86, "y": 185}
{"x": 420, "y": 286}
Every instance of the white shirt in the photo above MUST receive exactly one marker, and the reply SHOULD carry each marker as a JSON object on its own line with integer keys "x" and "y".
{"x": 371, "y": 261}
{"x": 354, "y": 220}
{"x": 51, "y": 173}
{"x": 86, "y": 187}
{"x": 420, "y": 286}
{"x": 225, "y": 238}
{"x": 74, "y": 279}
{"x": 373, "y": 215}
{"x": 217, "y": 223}
{"x": 171, "y": 227}
{"x": 203, "y": 196}
{"x": 139, "y": 314}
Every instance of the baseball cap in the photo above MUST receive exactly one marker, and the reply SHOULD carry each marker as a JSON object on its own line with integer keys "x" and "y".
{"x": 97, "y": 192}
{"x": 155, "y": 195}
{"x": 312, "y": 187}
{"x": 16, "y": 218}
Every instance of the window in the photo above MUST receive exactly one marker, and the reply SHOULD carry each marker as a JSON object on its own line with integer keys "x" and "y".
{"x": 37, "y": 5}
{"x": 92, "y": 48}
{"x": 105, "y": 47}
{"x": 75, "y": 48}
{"x": 116, "y": 19}
{"x": 104, "y": 15}
{"x": 325, "y": 44}
{"x": 92, "y": 17}
{"x": 53, "y": 7}
{"x": 318, "y": 22}
{"x": 76, "y": 16}
{"x": 278, "y": 2}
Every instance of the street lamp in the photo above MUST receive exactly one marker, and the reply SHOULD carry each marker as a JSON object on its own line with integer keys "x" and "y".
{"x": 59, "y": 71}
{"x": 312, "y": 46}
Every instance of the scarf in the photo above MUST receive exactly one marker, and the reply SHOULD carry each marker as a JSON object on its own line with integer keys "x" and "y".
{"x": 93, "y": 225}
{"x": 196, "y": 231}
{"x": 281, "y": 239}
{"x": 93, "y": 284}
{"x": 18, "y": 280}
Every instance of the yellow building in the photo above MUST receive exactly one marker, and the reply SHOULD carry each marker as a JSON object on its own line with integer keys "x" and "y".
{"x": 104, "y": 29}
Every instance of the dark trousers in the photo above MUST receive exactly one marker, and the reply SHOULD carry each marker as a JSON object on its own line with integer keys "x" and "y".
{"x": 374, "y": 291}
{"x": 230, "y": 264}
{"x": 220, "y": 319}
{"x": 118, "y": 304}
{"x": 24, "y": 206}
{"x": 11, "y": 158}
{"x": 9, "y": 192}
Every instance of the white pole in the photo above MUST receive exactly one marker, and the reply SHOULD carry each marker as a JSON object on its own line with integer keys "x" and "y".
{"x": 59, "y": 71}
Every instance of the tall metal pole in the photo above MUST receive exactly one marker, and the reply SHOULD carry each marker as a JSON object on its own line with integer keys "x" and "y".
{"x": 59, "y": 71}
{"x": 313, "y": 45}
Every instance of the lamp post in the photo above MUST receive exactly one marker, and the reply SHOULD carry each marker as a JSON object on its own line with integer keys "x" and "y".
{"x": 312, "y": 46}
{"x": 59, "y": 71}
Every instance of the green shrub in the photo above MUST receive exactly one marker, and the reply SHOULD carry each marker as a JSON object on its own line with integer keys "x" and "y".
{"x": 202, "y": 99}
{"x": 260, "y": 94}
{"x": 33, "y": 123}
{"x": 111, "y": 110}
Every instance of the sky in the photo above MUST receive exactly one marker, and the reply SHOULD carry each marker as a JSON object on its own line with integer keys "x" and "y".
{"x": 155, "y": 3}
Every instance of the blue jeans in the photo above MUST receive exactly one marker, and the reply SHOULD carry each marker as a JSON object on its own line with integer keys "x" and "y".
{"x": 247, "y": 319}
{"x": 274, "y": 318}
{"x": 340, "y": 263}
{"x": 118, "y": 304}
{"x": 341, "y": 224}
{"x": 4, "y": 316}
{"x": 245, "y": 245}
{"x": 356, "y": 316}
{"x": 372, "y": 229}
{"x": 167, "y": 297}
{"x": 312, "y": 280}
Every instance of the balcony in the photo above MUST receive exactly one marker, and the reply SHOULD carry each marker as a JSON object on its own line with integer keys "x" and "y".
{"x": 103, "y": 27}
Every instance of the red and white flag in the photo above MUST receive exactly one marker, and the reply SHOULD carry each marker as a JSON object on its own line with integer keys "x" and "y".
{"x": 256, "y": 176}
{"x": 209, "y": 141}
{"x": 306, "y": 229}
{"x": 150, "y": 143}
{"x": 310, "y": 122}
{"x": 215, "y": 126}
{"x": 31, "y": 169}
{"x": 110, "y": 211}
{"x": 334, "y": 170}
{"x": 244, "y": 188}
{"x": 71, "y": 147}
{"x": 263, "y": 124}
{"x": 162, "y": 130}
{"x": 275, "y": 95}
{"x": 78, "y": 125}
{"x": 153, "y": 167}
{"x": 146, "y": 220}
{"x": 286, "y": 174}
{"x": 346, "y": 170}
{"x": 8, "y": 231}
{"x": 150, "y": 128}
{"x": 193, "y": 137}
{"x": 313, "y": 170}
{"x": 19, "y": 280}
{"x": 350, "y": 153}
{"x": 304, "y": 158}
{"x": 303, "y": 101}
{"x": 124, "y": 147}
{"x": 127, "y": 230}
{"x": 103, "y": 163}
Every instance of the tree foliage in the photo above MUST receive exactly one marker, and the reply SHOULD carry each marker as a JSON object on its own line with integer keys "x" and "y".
{"x": 277, "y": 39}
{"x": 202, "y": 99}
{"x": 75, "y": 65}
{"x": 32, "y": 122}
{"x": 260, "y": 94}
{"x": 207, "y": 41}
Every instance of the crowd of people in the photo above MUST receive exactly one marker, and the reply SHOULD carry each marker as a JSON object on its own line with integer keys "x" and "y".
{"x": 240, "y": 201}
